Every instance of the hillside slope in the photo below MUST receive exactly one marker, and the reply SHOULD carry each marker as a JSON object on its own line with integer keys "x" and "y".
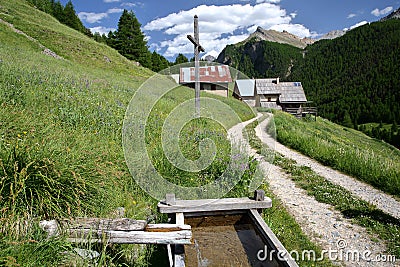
{"x": 63, "y": 99}
{"x": 260, "y": 59}
{"x": 64, "y": 41}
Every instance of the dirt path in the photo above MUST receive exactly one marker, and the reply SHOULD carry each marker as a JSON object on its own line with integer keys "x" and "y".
{"x": 381, "y": 200}
{"x": 319, "y": 221}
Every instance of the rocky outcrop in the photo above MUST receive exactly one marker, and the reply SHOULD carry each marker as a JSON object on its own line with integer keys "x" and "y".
{"x": 283, "y": 37}
{"x": 333, "y": 34}
{"x": 393, "y": 15}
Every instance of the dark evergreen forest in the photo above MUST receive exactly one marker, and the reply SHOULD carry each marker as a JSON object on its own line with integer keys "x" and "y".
{"x": 356, "y": 74}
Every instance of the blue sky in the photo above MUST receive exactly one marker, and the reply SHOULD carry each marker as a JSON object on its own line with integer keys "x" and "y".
{"x": 166, "y": 23}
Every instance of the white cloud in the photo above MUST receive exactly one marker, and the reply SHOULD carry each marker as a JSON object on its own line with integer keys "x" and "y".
{"x": 377, "y": 13}
{"x": 114, "y": 10}
{"x": 101, "y": 30}
{"x": 358, "y": 24}
{"x": 352, "y": 15}
{"x": 361, "y": 23}
{"x": 91, "y": 17}
{"x": 296, "y": 29}
{"x": 221, "y": 25}
{"x": 267, "y": 1}
{"x": 111, "y": 1}
{"x": 128, "y": 4}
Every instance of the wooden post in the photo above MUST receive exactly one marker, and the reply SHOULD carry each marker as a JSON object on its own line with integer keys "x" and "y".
{"x": 197, "y": 49}
{"x": 259, "y": 195}
{"x": 170, "y": 199}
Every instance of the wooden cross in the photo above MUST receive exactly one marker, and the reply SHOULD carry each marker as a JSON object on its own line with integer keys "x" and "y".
{"x": 197, "y": 49}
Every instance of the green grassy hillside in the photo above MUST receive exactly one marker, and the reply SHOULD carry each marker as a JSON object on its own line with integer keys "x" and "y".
{"x": 61, "y": 149}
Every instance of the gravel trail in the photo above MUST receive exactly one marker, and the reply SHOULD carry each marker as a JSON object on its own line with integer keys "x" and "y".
{"x": 381, "y": 200}
{"x": 325, "y": 226}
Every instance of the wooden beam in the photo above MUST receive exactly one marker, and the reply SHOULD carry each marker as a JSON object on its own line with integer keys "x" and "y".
{"x": 270, "y": 238}
{"x": 167, "y": 227}
{"x": 121, "y": 231}
{"x": 212, "y": 205}
{"x": 120, "y": 224}
{"x": 132, "y": 237}
{"x": 199, "y": 47}
{"x": 179, "y": 218}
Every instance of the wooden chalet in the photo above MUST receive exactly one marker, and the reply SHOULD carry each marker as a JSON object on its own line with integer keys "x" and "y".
{"x": 271, "y": 93}
{"x": 213, "y": 79}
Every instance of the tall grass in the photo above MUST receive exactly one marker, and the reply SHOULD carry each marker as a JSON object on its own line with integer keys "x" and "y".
{"x": 344, "y": 149}
{"x": 60, "y": 139}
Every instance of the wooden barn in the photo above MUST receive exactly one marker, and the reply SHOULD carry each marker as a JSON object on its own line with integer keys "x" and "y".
{"x": 213, "y": 79}
{"x": 271, "y": 93}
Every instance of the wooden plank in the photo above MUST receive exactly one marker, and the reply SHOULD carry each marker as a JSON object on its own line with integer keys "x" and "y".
{"x": 166, "y": 227}
{"x": 179, "y": 260}
{"x": 95, "y": 230}
{"x": 170, "y": 257}
{"x": 270, "y": 238}
{"x": 119, "y": 224}
{"x": 204, "y": 205}
{"x": 214, "y": 213}
{"x": 133, "y": 237}
{"x": 179, "y": 218}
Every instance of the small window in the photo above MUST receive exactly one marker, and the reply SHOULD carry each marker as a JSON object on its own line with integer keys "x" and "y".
{"x": 269, "y": 99}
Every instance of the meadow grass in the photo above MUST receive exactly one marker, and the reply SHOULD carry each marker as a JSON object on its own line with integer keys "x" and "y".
{"x": 347, "y": 150}
{"x": 362, "y": 213}
{"x": 61, "y": 149}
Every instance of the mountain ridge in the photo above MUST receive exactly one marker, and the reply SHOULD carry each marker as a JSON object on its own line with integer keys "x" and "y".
{"x": 283, "y": 37}
{"x": 394, "y": 15}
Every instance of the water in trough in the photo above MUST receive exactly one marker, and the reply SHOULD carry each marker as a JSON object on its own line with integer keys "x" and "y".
{"x": 225, "y": 241}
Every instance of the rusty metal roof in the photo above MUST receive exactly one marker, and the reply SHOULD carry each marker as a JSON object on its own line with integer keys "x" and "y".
{"x": 208, "y": 74}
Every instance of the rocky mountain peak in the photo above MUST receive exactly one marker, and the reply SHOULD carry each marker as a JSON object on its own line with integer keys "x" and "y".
{"x": 283, "y": 37}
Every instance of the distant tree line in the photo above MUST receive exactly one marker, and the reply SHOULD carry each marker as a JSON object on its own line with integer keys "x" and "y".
{"x": 391, "y": 136}
{"x": 128, "y": 39}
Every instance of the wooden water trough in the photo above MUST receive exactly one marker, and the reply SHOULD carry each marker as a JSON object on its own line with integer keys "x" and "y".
{"x": 205, "y": 232}
{"x": 225, "y": 232}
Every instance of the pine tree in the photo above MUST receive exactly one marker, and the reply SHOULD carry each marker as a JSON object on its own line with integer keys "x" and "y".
{"x": 395, "y": 128}
{"x": 130, "y": 40}
{"x": 180, "y": 59}
{"x": 57, "y": 10}
{"x": 111, "y": 39}
{"x": 347, "y": 120}
{"x": 158, "y": 62}
{"x": 71, "y": 19}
